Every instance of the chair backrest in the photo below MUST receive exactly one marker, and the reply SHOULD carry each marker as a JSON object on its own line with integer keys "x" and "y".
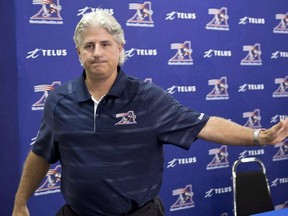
{"x": 251, "y": 191}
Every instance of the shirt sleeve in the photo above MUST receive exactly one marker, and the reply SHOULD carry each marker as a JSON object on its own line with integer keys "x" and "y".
{"x": 45, "y": 145}
{"x": 174, "y": 123}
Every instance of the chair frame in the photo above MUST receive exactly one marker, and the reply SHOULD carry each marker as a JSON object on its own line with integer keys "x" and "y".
{"x": 234, "y": 175}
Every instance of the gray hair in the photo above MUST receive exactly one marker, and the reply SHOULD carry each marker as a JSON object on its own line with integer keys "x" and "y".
{"x": 104, "y": 19}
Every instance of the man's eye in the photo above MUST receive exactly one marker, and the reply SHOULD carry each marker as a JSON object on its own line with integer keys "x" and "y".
{"x": 89, "y": 46}
{"x": 105, "y": 44}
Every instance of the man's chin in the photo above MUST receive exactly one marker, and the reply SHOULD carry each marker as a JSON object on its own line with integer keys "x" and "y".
{"x": 97, "y": 69}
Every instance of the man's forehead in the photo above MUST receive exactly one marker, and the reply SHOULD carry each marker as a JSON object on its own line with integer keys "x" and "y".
{"x": 91, "y": 40}
{"x": 100, "y": 34}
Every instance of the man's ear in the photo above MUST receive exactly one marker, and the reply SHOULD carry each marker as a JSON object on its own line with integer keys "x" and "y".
{"x": 78, "y": 51}
{"x": 121, "y": 47}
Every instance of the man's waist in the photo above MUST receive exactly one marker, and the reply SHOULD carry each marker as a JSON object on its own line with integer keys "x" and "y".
{"x": 153, "y": 207}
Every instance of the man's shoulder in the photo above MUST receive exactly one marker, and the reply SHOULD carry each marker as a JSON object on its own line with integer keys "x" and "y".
{"x": 67, "y": 88}
{"x": 143, "y": 87}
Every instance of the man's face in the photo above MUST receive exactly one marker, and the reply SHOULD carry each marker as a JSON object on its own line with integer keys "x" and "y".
{"x": 99, "y": 53}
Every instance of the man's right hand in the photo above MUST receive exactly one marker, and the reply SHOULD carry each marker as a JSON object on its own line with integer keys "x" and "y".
{"x": 35, "y": 169}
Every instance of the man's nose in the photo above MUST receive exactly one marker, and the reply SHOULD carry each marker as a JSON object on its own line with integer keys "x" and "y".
{"x": 97, "y": 51}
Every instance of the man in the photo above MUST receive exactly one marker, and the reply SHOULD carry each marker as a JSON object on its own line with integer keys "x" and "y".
{"x": 108, "y": 131}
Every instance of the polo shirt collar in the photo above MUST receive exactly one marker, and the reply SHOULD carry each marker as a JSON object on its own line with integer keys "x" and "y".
{"x": 116, "y": 90}
{"x": 119, "y": 85}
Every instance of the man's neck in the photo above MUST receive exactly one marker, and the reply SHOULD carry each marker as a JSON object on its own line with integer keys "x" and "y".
{"x": 99, "y": 87}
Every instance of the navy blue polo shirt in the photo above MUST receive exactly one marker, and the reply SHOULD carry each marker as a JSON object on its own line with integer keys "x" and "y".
{"x": 113, "y": 161}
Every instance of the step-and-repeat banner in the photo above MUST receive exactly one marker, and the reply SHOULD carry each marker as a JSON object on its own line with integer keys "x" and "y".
{"x": 224, "y": 58}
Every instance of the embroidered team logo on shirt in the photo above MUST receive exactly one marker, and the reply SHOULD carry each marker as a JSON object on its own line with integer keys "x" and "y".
{"x": 126, "y": 118}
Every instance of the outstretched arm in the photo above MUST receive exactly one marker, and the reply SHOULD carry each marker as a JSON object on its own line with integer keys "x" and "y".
{"x": 35, "y": 169}
{"x": 226, "y": 132}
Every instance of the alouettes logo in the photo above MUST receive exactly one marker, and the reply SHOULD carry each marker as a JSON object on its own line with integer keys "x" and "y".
{"x": 184, "y": 199}
{"x": 220, "y": 159}
{"x": 220, "y": 19}
{"x": 282, "y": 90}
{"x": 142, "y": 16}
{"x": 253, "y": 58}
{"x": 282, "y": 27}
{"x": 183, "y": 54}
{"x": 253, "y": 119}
{"x": 219, "y": 92}
{"x": 45, "y": 88}
{"x": 49, "y": 12}
{"x": 127, "y": 118}
{"x": 52, "y": 182}
{"x": 282, "y": 153}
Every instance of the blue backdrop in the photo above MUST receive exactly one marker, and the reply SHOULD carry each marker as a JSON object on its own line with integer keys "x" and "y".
{"x": 220, "y": 57}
